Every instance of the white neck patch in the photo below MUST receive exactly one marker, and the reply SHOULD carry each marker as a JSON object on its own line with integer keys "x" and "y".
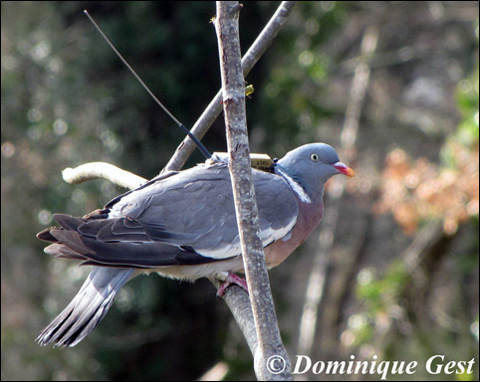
{"x": 295, "y": 187}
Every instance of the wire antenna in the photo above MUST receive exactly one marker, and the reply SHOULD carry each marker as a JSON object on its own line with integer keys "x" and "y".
{"x": 200, "y": 146}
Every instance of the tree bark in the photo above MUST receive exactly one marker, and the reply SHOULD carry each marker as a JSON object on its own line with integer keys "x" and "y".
{"x": 233, "y": 86}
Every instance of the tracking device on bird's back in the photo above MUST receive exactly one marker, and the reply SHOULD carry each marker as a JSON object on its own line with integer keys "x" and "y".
{"x": 261, "y": 162}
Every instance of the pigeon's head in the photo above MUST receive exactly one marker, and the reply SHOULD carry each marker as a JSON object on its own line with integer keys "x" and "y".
{"x": 310, "y": 166}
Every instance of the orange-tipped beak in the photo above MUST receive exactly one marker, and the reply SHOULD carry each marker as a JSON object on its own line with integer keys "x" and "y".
{"x": 344, "y": 169}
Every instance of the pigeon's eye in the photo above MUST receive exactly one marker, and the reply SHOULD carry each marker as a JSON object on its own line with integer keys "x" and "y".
{"x": 314, "y": 157}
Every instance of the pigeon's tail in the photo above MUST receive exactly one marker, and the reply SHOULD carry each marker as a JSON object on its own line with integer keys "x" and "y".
{"x": 87, "y": 308}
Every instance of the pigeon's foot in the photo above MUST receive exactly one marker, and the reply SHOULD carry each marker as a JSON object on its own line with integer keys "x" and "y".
{"x": 232, "y": 279}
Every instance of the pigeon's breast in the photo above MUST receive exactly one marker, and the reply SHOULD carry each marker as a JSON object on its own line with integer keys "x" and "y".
{"x": 310, "y": 215}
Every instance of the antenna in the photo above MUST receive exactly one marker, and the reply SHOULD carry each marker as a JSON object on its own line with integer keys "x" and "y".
{"x": 200, "y": 146}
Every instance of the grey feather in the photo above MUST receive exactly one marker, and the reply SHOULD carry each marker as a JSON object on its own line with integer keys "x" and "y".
{"x": 87, "y": 309}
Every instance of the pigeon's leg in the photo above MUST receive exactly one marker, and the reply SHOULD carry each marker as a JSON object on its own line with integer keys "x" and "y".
{"x": 231, "y": 279}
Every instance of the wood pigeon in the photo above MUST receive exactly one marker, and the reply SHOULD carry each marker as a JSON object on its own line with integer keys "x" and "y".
{"x": 182, "y": 225}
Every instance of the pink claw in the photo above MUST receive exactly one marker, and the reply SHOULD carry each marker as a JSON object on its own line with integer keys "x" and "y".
{"x": 232, "y": 279}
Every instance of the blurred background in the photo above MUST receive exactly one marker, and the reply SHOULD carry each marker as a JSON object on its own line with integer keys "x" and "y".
{"x": 392, "y": 270}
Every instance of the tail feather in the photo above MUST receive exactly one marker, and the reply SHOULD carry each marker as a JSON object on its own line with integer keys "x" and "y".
{"x": 87, "y": 308}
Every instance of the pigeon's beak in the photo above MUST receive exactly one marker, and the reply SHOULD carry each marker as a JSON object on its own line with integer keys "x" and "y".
{"x": 344, "y": 169}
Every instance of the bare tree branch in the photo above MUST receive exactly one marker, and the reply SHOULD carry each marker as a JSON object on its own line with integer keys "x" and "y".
{"x": 238, "y": 302}
{"x": 102, "y": 170}
{"x": 233, "y": 85}
{"x": 263, "y": 41}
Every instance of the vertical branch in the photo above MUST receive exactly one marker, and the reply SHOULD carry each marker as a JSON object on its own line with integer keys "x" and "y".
{"x": 233, "y": 86}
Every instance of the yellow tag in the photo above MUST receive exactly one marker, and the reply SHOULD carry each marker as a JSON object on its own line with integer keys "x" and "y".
{"x": 249, "y": 90}
{"x": 261, "y": 162}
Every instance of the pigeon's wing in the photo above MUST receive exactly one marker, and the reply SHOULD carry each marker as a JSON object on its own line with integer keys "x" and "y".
{"x": 184, "y": 219}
